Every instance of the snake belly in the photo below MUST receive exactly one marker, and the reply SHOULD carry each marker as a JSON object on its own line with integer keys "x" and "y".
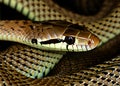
{"x": 37, "y": 62}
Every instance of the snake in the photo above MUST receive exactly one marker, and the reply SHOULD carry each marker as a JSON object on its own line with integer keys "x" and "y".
{"x": 48, "y": 36}
{"x": 43, "y": 44}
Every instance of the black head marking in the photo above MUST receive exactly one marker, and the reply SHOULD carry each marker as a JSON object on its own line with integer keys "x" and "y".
{"x": 34, "y": 41}
{"x": 67, "y": 47}
{"x": 68, "y": 39}
{"x": 51, "y": 41}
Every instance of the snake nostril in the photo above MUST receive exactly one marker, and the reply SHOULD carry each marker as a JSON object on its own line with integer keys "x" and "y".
{"x": 90, "y": 42}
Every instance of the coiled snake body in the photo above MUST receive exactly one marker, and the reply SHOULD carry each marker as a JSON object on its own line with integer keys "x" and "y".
{"x": 52, "y": 35}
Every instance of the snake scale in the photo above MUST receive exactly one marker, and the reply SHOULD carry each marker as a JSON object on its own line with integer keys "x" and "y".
{"x": 24, "y": 65}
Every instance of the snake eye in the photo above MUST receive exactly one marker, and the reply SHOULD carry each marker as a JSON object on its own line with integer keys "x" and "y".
{"x": 69, "y": 40}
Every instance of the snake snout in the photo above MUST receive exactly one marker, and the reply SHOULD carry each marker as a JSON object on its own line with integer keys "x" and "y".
{"x": 87, "y": 41}
{"x": 94, "y": 41}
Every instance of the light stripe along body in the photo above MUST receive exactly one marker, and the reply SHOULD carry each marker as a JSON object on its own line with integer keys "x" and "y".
{"x": 49, "y": 35}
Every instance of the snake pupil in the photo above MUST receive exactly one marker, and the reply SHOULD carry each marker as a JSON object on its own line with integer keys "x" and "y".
{"x": 69, "y": 40}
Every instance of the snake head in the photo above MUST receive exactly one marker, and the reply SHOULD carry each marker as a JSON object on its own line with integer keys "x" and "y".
{"x": 63, "y": 36}
{"x": 78, "y": 38}
{"x": 73, "y": 38}
{"x": 82, "y": 41}
{"x": 85, "y": 41}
